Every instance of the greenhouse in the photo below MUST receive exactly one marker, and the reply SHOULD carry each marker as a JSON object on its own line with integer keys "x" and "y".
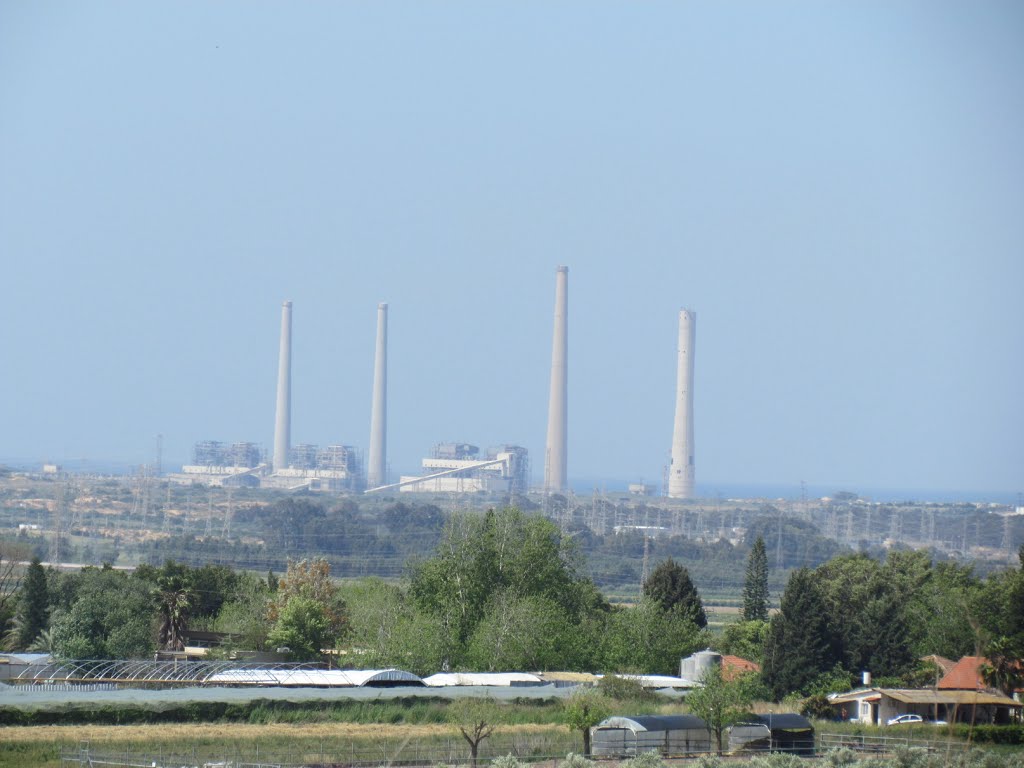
{"x": 665, "y": 734}
{"x": 210, "y": 673}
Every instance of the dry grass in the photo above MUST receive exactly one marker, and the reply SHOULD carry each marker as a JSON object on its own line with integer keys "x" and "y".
{"x": 167, "y": 733}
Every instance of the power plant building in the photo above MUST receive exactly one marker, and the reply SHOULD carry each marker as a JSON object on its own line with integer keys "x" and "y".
{"x": 222, "y": 464}
{"x": 459, "y": 468}
{"x": 336, "y": 468}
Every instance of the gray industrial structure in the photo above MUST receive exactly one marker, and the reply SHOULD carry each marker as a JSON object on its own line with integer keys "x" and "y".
{"x": 210, "y": 453}
{"x": 299, "y": 467}
{"x": 376, "y": 468}
{"x": 452, "y": 467}
{"x": 334, "y": 468}
{"x": 222, "y": 464}
{"x": 555, "y": 456}
{"x": 681, "y": 477}
{"x": 459, "y": 468}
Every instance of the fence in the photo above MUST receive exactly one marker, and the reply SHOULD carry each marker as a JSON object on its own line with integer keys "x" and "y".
{"x": 534, "y": 748}
{"x": 883, "y": 744}
{"x": 327, "y": 754}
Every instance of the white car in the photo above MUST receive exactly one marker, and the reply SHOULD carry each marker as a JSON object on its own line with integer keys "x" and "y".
{"x": 905, "y": 720}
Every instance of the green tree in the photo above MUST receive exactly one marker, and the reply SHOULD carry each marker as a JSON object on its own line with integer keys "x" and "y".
{"x": 799, "y": 644}
{"x": 670, "y": 586}
{"x": 111, "y": 616}
{"x": 866, "y": 605}
{"x": 11, "y": 555}
{"x": 718, "y": 702}
{"x": 33, "y": 604}
{"x": 308, "y": 612}
{"x": 582, "y": 710}
{"x": 1002, "y": 669}
{"x": 644, "y": 639}
{"x": 311, "y": 579}
{"x": 755, "y": 586}
{"x": 500, "y": 552}
{"x": 175, "y": 597}
{"x": 304, "y": 628}
{"x": 941, "y": 611}
{"x": 244, "y": 613}
{"x": 476, "y": 718}
{"x": 519, "y": 633}
{"x": 625, "y": 689}
{"x": 745, "y": 639}
{"x": 390, "y": 630}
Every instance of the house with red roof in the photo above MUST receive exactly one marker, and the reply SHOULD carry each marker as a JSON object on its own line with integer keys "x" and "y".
{"x": 965, "y": 675}
{"x": 961, "y": 696}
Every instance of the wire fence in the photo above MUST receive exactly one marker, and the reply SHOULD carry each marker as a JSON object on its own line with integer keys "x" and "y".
{"x": 401, "y": 753}
{"x": 537, "y": 749}
{"x": 883, "y": 744}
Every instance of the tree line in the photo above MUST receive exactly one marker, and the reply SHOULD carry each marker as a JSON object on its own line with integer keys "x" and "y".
{"x": 507, "y": 590}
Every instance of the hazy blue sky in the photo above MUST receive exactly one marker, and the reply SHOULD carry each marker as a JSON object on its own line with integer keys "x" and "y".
{"x": 837, "y": 189}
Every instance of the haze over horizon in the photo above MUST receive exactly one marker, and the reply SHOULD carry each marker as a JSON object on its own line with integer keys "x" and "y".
{"x": 835, "y": 189}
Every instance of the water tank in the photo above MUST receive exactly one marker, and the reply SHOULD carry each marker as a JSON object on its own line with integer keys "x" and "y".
{"x": 704, "y": 661}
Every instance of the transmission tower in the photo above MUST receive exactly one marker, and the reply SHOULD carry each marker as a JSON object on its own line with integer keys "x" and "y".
{"x": 643, "y": 568}
{"x": 778, "y": 543}
{"x": 895, "y": 528}
{"x": 209, "y": 517}
{"x": 76, "y": 509}
{"x": 59, "y": 511}
{"x": 228, "y": 513}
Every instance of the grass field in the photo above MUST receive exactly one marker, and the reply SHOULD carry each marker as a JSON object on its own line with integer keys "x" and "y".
{"x": 315, "y": 742}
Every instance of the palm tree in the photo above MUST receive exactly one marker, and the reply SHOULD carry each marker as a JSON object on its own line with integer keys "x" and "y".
{"x": 43, "y": 642}
{"x": 1003, "y": 670}
{"x": 173, "y": 602}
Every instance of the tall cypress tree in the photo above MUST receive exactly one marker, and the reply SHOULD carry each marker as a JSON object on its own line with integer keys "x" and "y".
{"x": 799, "y": 646}
{"x": 755, "y": 588}
{"x": 671, "y": 587}
{"x": 33, "y": 604}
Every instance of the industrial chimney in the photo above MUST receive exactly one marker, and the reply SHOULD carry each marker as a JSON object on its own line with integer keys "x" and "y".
{"x": 283, "y": 421}
{"x": 376, "y": 469}
{"x": 681, "y": 472}
{"x": 555, "y": 456}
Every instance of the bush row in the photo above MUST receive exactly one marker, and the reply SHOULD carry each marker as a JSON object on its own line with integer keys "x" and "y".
{"x": 991, "y": 734}
{"x": 413, "y": 710}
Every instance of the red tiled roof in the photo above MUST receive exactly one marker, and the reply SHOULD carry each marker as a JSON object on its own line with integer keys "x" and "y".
{"x": 734, "y": 666}
{"x": 965, "y": 675}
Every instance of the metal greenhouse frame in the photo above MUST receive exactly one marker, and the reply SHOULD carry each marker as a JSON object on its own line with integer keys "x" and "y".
{"x": 210, "y": 673}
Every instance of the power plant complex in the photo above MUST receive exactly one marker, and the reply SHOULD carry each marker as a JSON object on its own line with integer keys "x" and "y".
{"x": 451, "y": 467}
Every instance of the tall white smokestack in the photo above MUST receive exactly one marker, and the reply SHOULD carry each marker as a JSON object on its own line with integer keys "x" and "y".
{"x": 555, "y": 457}
{"x": 283, "y": 422}
{"x": 681, "y": 473}
{"x": 376, "y": 469}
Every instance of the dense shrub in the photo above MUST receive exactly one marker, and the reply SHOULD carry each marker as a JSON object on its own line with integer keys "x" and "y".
{"x": 644, "y": 760}
{"x": 991, "y": 734}
{"x": 573, "y": 760}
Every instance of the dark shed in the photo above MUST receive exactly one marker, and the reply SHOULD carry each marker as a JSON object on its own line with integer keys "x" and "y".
{"x": 791, "y": 733}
